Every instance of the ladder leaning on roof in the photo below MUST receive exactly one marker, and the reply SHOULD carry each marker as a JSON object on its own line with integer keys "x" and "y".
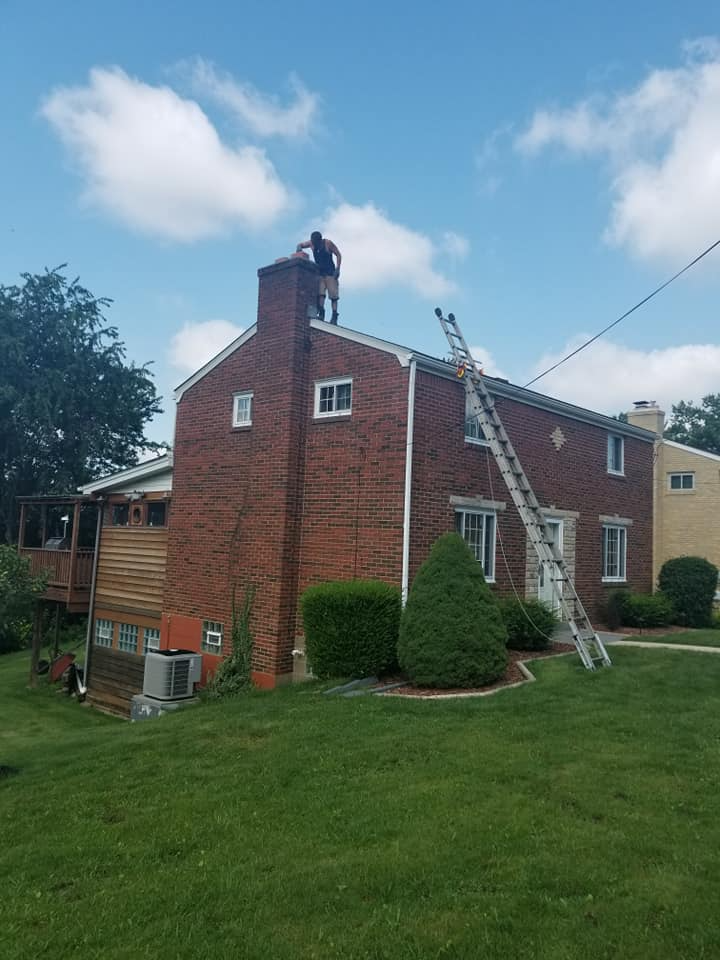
{"x": 588, "y": 644}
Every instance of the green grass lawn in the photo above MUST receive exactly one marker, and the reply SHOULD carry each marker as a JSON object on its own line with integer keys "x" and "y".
{"x": 702, "y": 638}
{"x": 576, "y": 817}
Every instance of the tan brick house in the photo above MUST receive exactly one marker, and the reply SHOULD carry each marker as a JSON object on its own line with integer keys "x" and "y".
{"x": 686, "y": 494}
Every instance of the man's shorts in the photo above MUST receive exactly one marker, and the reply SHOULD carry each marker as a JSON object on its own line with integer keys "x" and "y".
{"x": 331, "y": 285}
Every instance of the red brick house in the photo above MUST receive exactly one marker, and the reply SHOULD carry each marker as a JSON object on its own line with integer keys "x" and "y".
{"x": 306, "y": 452}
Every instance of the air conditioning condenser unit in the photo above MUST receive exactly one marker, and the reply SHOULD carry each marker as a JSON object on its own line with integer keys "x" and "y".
{"x": 171, "y": 674}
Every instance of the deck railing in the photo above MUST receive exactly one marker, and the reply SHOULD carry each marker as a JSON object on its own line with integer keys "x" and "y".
{"x": 58, "y": 563}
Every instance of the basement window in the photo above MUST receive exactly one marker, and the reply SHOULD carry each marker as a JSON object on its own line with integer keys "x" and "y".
{"x": 104, "y": 633}
{"x": 128, "y": 637}
{"x": 681, "y": 481}
{"x": 614, "y": 554}
{"x": 477, "y": 528}
{"x": 333, "y": 398}
{"x": 615, "y": 454}
{"x": 212, "y": 637}
{"x": 151, "y": 639}
{"x": 242, "y": 409}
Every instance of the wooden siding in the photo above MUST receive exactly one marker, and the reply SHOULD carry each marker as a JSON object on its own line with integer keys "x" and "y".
{"x": 131, "y": 569}
{"x": 115, "y": 678}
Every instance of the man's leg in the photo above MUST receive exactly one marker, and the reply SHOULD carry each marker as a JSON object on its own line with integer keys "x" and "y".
{"x": 321, "y": 306}
{"x": 333, "y": 289}
{"x": 334, "y": 317}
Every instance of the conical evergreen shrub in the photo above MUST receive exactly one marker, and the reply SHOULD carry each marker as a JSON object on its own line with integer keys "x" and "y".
{"x": 452, "y": 632}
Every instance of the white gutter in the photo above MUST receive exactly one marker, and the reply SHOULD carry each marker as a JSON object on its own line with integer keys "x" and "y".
{"x": 408, "y": 480}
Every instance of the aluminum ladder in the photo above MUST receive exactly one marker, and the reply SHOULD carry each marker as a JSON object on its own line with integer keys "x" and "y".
{"x": 587, "y": 643}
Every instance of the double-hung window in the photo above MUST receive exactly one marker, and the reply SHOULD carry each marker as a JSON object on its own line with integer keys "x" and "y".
{"x": 615, "y": 454}
{"x": 242, "y": 409}
{"x": 473, "y": 430}
{"x": 614, "y": 553}
{"x": 477, "y": 528}
{"x": 333, "y": 398}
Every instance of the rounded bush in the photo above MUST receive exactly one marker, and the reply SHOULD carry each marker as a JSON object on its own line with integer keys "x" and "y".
{"x": 529, "y": 623}
{"x": 351, "y": 628}
{"x": 613, "y": 609}
{"x": 647, "y": 610}
{"x": 690, "y": 583}
{"x": 451, "y": 632}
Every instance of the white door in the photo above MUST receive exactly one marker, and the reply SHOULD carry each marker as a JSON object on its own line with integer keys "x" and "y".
{"x": 545, "y": 587}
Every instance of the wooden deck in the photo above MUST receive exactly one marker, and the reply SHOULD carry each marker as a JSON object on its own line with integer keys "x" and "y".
{"x": 69, "y": 574}
{"x": 115, "y": 678}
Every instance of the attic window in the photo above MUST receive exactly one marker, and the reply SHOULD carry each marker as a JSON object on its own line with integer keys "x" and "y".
{"x": 473, "y": 430}
{"x": 333, "y": 398}
{"x": 615, "y": 454}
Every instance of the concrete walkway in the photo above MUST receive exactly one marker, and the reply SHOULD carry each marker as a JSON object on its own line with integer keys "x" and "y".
{"x": 563, "y": 635}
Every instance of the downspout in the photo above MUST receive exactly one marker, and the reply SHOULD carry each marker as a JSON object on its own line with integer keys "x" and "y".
{"x": 91, "y": 608}
{"x": 408, "y": 480}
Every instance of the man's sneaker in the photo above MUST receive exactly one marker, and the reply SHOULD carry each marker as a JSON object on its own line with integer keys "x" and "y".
{"x": 321, "y": 313}
{"x": 334, "y": 318}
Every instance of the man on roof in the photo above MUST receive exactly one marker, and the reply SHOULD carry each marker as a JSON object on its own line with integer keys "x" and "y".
{"x": 323, "y": 252}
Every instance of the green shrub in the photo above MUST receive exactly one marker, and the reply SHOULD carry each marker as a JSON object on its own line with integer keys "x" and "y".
{"x": 19, "y": 592}
{"x": 351, "y": 628}
{"x": 233, "y": 674}
{"x": 715, "y": 622}
{"x": 613, "y": 610}
{"x": 647, "y": 610}
{"x": 529, "y": 623}
{"x": 452, "y": 633}
{"x": 690, "y": 583}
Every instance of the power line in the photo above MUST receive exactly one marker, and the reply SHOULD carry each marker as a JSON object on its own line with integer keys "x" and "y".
{"x": 627, "y": 314}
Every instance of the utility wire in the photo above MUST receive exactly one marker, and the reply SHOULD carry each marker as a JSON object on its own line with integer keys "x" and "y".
{"x": 631, "y": 310}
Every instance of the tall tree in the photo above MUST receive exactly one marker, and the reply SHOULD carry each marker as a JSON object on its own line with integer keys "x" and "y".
{"x": 71, "y": 407}
{"x": 697, "y": 426}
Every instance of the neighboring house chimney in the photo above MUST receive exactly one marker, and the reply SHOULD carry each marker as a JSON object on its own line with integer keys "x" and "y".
{"x": 647, "y": 415}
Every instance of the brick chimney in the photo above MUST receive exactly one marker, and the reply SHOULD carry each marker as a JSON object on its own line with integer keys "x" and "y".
{"x": 647, "y": 415}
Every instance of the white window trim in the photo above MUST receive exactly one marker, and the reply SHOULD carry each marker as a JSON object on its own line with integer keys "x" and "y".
{"x": 242, "y": 395}
{"x": 623, "y": 540}
{"x": 334, "y": 382}
{"x": 611, "y": 470}
{"x": 150, "y": 645}
{"x": 215, "y": 649}
{"x": 680, "y": 473}
{"x": 485, "y": 513}
{"x": 477, "y": 441}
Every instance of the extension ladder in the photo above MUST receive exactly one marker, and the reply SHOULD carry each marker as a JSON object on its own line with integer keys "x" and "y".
{"x": 588, "y": 644}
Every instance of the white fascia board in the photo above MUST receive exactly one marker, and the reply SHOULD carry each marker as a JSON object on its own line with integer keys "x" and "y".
{"x": 698, "y": 453}
{"x": 216, "y": 361}
{"x": 403, "y": 354}
{"x": 139, "y": 472}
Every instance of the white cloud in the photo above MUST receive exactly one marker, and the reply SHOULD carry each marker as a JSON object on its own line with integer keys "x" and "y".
{"x": 263, "y": 115}
{"x": 196, "y": 343}
{"x": 662, "y": 143}
{"x": 487, "y": 362}
{"x": 155, "y": 162}
{"x": 609, "y": 377}
{"x": 455, "y": 245}
{"x": 378, "y": 252}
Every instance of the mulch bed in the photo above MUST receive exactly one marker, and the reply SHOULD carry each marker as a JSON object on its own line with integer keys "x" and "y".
{"x": 513, "y": 674}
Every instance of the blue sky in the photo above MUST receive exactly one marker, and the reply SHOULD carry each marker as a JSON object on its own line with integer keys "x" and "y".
{"x": 535, "y": 167}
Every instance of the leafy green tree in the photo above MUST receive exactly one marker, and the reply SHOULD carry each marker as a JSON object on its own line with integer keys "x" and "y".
{"x": 71, "y": 407}
{"x": 19, "y": 594}
{"x": 451, "y": 631}
{"x": 697, "y": 426}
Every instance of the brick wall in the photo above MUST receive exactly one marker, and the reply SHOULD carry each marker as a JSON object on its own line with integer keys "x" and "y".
{"x": 237, "y": 492}
{"x": 572, "y": 478}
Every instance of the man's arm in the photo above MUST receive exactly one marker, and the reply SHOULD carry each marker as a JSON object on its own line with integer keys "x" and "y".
{"x": 334, "y": 250}
{"x": 302, "y": 246}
